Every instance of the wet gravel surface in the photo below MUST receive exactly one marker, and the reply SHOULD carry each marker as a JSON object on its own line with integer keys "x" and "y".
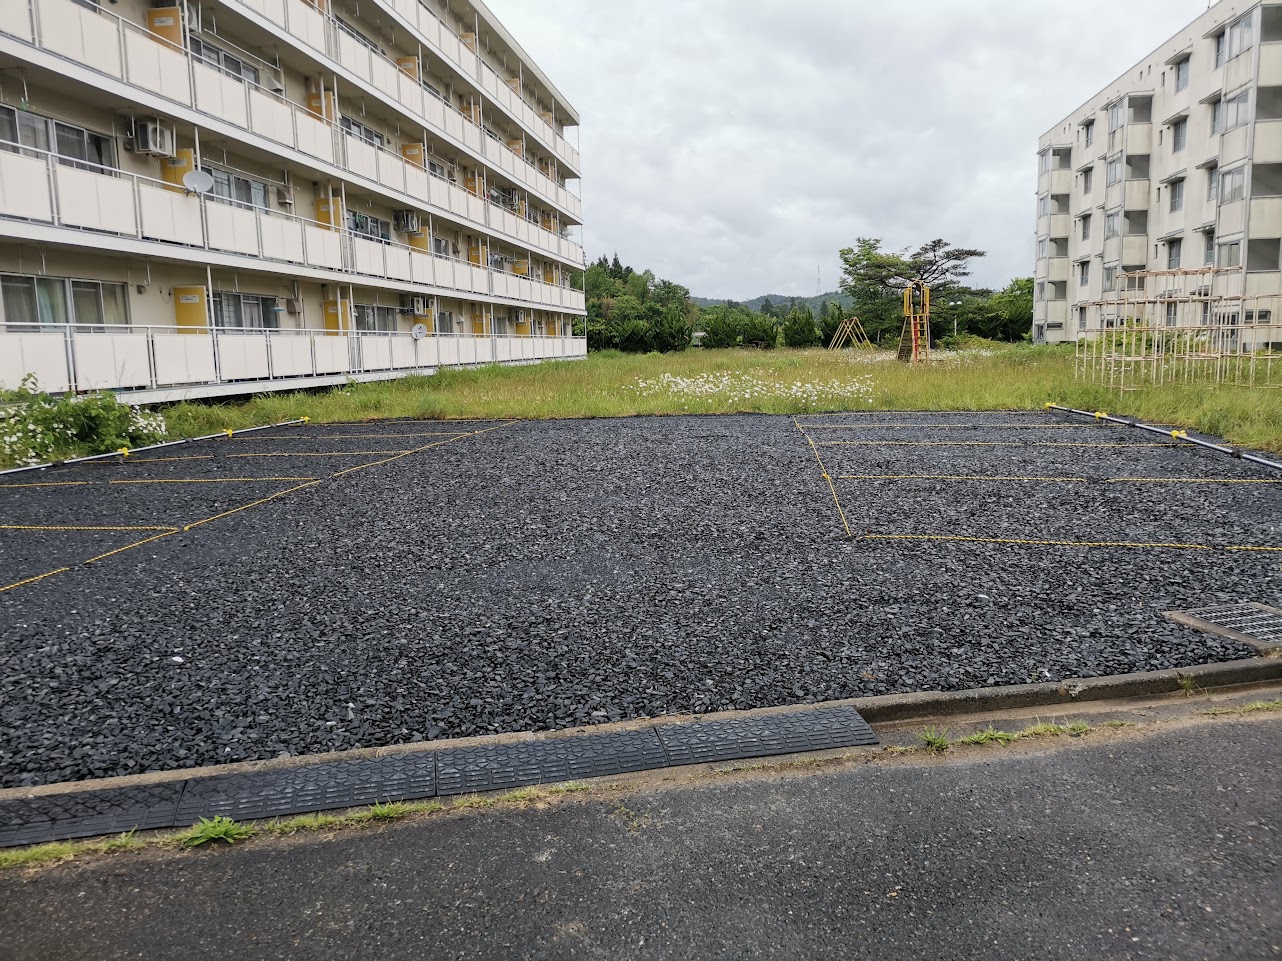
{"x": 548, "y": 575}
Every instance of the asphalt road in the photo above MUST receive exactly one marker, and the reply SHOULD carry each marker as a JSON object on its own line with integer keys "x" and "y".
{"x": 1119, "y": 845}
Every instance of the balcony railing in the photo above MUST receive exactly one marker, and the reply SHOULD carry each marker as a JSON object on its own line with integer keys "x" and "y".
{"x": 121, "y": 49}
{"x": 35, "y": 186}
{"x": 323, "y": 34}
{"x": 65, "y": 358}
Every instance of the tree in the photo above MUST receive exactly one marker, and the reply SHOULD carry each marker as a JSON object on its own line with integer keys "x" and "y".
{"x": 799, "y": 329}
{"x": 635, "y": 311}
{"x": 875, "y": 279}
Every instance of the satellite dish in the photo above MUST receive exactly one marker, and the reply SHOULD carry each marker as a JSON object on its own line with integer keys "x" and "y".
{"x": 419, "y": 331}
{"x": 198, "y": 181}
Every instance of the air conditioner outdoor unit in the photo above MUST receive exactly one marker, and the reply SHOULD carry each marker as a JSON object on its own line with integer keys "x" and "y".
{"x": 153, "y": 138}
{"x": 408, "y": 221}
{"x": 413, "y": 304}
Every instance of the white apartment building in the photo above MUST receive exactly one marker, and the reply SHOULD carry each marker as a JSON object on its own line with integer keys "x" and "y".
{"x": 1176, "y": 165}
{"x": 210, "y": 197}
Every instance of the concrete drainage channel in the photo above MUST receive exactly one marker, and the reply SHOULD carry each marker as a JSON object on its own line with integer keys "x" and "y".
{"x": 488, "y": 764}
{"x": 502, "y": 762}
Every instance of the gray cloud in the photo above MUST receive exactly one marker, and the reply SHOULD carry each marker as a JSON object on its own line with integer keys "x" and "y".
{"x": 735, "y": 145}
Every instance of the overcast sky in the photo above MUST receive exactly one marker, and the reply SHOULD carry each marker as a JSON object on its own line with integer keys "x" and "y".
{"x": 735, "y": 146}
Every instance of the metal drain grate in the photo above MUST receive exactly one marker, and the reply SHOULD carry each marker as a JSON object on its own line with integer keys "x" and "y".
{"x": 1253, "y": 624}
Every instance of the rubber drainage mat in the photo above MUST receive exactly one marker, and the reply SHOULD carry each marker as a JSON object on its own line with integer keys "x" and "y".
{"x": 415, "y": 775}
{"x": 1254, "y": 624}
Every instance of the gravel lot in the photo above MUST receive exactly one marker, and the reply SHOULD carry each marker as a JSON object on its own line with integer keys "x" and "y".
{"x": 547, "y": 575}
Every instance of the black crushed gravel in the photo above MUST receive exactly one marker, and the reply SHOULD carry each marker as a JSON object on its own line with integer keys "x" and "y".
{"x": 547, "y": 575}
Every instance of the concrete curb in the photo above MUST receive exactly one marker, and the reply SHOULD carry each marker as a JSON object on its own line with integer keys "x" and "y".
{"x": 899, "y": 707}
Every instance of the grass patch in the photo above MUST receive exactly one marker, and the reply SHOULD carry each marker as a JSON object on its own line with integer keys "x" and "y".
{"x": 129, "y": 841}
{"x": 1053, "y": 729}
{"x": 989, "y": 736}
{"x": 39, "y": 855}
{"x": 1117, "y": 724}
{"x": 214, "y": 829}
{"x": 570, "y": 787}
{"x": 1255, "y": 707}
{"x": 934, "y": 739}
{"x": 607, "y": 384}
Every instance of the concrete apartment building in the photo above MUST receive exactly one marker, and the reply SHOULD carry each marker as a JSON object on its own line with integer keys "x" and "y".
{"x": 1176, "y": 165}
{"x": 225, "y": 196}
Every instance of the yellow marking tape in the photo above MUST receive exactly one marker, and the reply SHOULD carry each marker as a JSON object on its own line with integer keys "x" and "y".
{"x": 961, "y": 477}
{"x": 48, "y": 484}
{"x": 1187, "y": 480}
{"x": 955, "y": 538}
{"x": 994, "y": 427}
{"x": 1034, "y": 543}
{"x": 419, "y": 450}
{"x": 42, "y": 527}
{"x": 245, "y": 507}
{"x": 970, "y": 443}
{"x": 129, "y": 547}
{"x": 828, "y": 477}
{"x": 337, "y": 453}
{"x": 32, "y": 580}
{"x": 214, "y": 480}
{"x": 357, "y": 437}
{"x": 154, "y": 460}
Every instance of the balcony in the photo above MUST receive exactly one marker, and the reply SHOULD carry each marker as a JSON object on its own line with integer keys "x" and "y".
{"x": 1135, "y": 250}
{"x": 157, "y": 364}
{"x": 37, "y": 189}
{"x": 1139, "y": 138}
{"x": 1056, "y": 312}
{"x": 1270, "y": 73}
{"x": 1058, "y": 269}
{"x": 121, "y": 49}
{"x": 1061, "y": 181}
{"x": 1268, "y": 141}
{"x": 1137, "y": 194}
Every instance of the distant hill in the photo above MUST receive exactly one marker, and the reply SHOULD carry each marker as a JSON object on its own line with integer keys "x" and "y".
{"x": 782, "y": 300}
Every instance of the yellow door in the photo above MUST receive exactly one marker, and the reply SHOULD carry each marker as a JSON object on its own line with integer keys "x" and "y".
{"x": 191, "y": 311}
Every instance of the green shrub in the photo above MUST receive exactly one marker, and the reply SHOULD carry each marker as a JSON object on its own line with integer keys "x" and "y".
{"x": 760, "y": 331}
{"x": 721, "y": 329}
{"x": 672, "y": 331}
{"x": 634, "y": 336}
{"x": 37, "y": 427}
{"x": 799, "y": 329}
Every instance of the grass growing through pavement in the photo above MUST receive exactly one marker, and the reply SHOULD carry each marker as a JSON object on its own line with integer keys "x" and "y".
{"x": 1255, "y": 707}
{"x": 214, "y": 829}
{"x": 611, "y": 384}
{"x": 935, "y": 739}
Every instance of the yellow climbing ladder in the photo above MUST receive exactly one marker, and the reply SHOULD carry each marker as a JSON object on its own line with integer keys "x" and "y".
{"x": 850, "y": 333}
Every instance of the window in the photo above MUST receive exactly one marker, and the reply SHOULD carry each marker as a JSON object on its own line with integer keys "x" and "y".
{"x": 1084, "y": 274}
{"x": 374, "y": 319}
{"x": 221, "y": 60}
{"x": 1043, "y": 206}
{"x": 1086, "y": 226}
{"x": 1217, "y": 116}
{"x": 1112, "y": 225}
{"x": 1213, "y": 184}
{"x": 1182, "y": 75}
{"x": 1263, "y": 255}
{"x": 1237, "y": 111}
{"x": 1174, "y": 254}
{"x": 1208, "y": 256}
{"x": 1134, "y": 280}
{"x": 1179, "y": 136}
{"x": 358, "y": 129}
{"x": 1177, "y": 195}
{"x": 1116, "y": 116}
{"x": 1221, "y": 47}
{"x": 1088, "y": 180}
{"x": 1044, "y": 162}
{"x": 1110, "y": 278}
{"x": 1089, "y": 130}
{"x": 1259, "y": 316}
{"x": 363, "y": 225}
{"x": 1240, "y": 37}
{"x": 1230, "y": 255}
{"x": 238, "y": 190}
{"x": 34, "y": 303}
{"x": 1172, "y": 314}
{"x": 1233, "y": 185}
{"x": 1041, "y": 290}
{"x": 1113, "y": 174}
{"x": 1043, "y": 249}
{"x": 73, "y": 145}
{"x": 445, "y": 322}
{"x": 234, "y": 311}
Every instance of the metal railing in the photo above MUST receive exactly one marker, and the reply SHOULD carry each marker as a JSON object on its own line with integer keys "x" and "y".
{"x": 42, "y": 188}
{"x": 120, "y": 48}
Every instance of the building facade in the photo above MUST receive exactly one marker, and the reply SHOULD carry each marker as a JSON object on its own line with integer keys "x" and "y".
{"x": 224, "y": 196}
{"x": 1167, "y": 184}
